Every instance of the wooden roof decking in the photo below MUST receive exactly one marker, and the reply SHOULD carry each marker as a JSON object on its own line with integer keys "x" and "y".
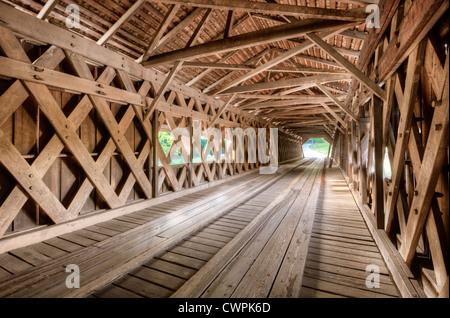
{"x": 132, "y": 27}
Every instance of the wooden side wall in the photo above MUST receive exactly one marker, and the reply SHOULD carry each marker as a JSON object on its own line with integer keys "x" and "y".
{"x": 75, "y": 136}
{"x": 410, "y": 61}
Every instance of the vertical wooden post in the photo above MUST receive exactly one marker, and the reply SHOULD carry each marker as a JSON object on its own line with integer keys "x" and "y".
{"x": 354, "y": 138}
{"x": 377, "y": 185}
{"x": 333, "y": 150}
{"x": 362, "y": 171}
{"x": 348, "y": 138}
{"x": 155, "y": 130}
{"x": 191, "y": 154}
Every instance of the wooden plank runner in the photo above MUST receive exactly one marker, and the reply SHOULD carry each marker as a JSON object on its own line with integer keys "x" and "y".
{"x": 272, "y": 276}
{"x": 130, "y": 257}
{"x": 337, "y": 261}
{"x": 203, "y": 278}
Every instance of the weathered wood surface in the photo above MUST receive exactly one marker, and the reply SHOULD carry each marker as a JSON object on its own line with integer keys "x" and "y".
{"x": 104, "y": 247}
{"x": 342, "y": 247}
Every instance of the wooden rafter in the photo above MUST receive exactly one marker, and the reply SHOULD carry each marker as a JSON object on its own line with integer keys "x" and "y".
{"x": 305, "y": 82}
{"x": 337, "y": 101}
{"x": 281, "y": 58}
{"x": 160, "y": 32}
{"x": 46, "y": 9}
{"x": 241, "y": 41}
{"x": 377, "y": 90}
{"x": 179, "y": 27}
{"x": 275, "y": 8}
{"x": 124, "y": 18}
{"x": 244, "y": 67}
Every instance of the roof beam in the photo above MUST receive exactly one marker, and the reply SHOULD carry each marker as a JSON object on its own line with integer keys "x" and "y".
{"x": 229, "y": 24}
{"x": 266, "y": 97}
{"x": 283, "y": 57}
{"x": 276, "y": 8}
{"x": 255, "y": 38}
{"x": 354, "y": 34}
{"x": 334, "y": 114}
{"x": 159, "y": 33}
{"x": 318, "y": 60}
{"x": 199, "y": 29}
{"x": 179, "y": 27}
{"x": 301, "y": 100}
{"x": 206, "y": 72}
{"x": 243, "y": 67}
{"x": 363, "y": 78}
{"x": 124, "y": 18}
{"x": 348, "y": 33}
{"x": 253, "y": 60}
{"x": 46, "y": 9}
{"x": 308, "y": 81}
{"x": 337, "y": 102}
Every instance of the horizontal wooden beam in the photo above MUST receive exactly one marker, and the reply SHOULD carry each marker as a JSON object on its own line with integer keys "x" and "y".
{"x": 159, "y": 33}
{"x": 308, "y": 81}
{"x": 243, "y": 67}
{"x": 364, "y": 79}
{"x": 254, "y": 38}
{"x": 276, "y": 8}
{"x": 27, "y": 72}
{"x": 28, "y": 26}
{"x": 278, "y": 97}
{"x": 300, "y": 100}
{"x": 354, "y": 34}
{"x": 283, "y": 57}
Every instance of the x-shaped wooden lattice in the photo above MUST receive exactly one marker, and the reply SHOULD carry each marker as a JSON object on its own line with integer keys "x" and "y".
{"x": 30, "y": 176}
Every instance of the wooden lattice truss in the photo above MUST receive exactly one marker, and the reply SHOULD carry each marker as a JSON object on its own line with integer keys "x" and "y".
{"x": 122, "y": 81}
{"x": 411, "y": 206}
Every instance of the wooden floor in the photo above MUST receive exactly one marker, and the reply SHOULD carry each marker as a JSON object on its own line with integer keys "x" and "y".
{"x": 341, "y": 247}
{"x": 249, "y": 237}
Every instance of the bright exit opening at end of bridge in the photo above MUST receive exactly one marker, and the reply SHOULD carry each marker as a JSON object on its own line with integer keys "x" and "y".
{"x": 316, "y": 147}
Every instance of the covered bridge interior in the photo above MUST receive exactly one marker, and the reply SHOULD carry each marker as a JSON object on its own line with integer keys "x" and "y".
{"x": 90, "y": 90}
